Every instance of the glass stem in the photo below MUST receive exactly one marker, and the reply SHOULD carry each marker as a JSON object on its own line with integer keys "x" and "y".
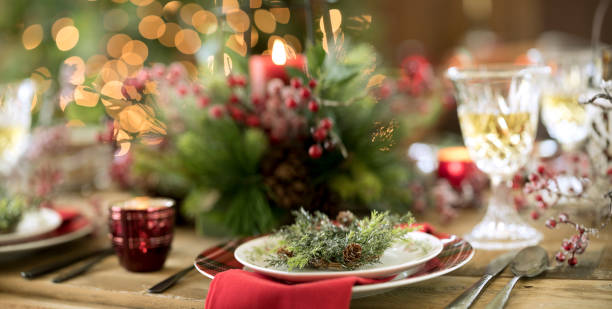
{"x": 499, "y": 201}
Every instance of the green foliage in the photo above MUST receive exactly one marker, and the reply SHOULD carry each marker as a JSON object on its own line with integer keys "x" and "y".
{"x": 314, "y": 240}
{"x": 11, "y": 211}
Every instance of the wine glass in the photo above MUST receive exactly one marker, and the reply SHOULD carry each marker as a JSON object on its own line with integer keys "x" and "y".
{"x": 565, "y": 119}
{"x": 15, "y": 105}
{"x": 498, "y": 115}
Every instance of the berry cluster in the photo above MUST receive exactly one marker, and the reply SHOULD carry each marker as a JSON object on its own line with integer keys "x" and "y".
{"x": 572, "y": 246}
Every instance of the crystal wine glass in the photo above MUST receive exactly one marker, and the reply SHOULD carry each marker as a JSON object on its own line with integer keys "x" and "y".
{"x": 565, "y": 119}
{"x": 15, "y": 105}
{"x": 498, "y": 114}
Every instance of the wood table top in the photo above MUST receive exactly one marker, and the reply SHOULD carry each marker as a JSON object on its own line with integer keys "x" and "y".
{"x": 107, "y": 285}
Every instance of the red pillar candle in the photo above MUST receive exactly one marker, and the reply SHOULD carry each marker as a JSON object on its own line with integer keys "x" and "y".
{"x": 263, "y": 68}
{"x": 455, "y": 165}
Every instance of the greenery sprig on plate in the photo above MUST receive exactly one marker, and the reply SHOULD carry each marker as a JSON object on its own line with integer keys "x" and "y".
{"x": 315, "y": 241}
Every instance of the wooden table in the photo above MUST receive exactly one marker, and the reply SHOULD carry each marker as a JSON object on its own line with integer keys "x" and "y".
{"x": 107, "y": 285}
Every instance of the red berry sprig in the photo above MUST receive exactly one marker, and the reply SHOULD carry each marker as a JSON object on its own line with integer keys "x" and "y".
{"x": 321, "y": 135}
{"x": 573, "y": 246}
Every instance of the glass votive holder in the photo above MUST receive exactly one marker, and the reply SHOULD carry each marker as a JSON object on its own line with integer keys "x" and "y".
{"x": 141, "y": 231}
{"x": 455, "y": 165}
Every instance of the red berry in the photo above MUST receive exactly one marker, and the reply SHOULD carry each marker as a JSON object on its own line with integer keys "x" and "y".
{"x": 203, "y": 101}
{"x": 216, "y": 112}
{"x": 534, "y": 177}
{"x": 236, "y": 113}
{"x": 560, "y": 256}
{"x": 256, "y": 101}
{"x": 305, "y": 93}
{"x": 312, "y": 84}
{"x": 252, "y": 121}
{"x": 239, "y": 81}
{"x": 551, "y": 223}
{"x": 538, "y": 198}
{"x": 196, "y": 89}
{"x": 326, "y": 123}
{"x": 181, "y": 90}
{"x": 319, "y": 134}
{"x": 541, "y": 170}
{"x": 609, "y": 172}
{"x": 563, "y": 217}
{"x": 567, "y": 245}
{"x": 313, "y": 106}
{"x": 572, "y": 261}
{"x": 291, "y": 103}
{"x": 234, "y": 98}
{"x": 542, "y": 205}
{"x": 296, "y": 83}
{"x": 535, "y": 215}
{"x": 315, "y": 151}
{"x": 328, "y": 145}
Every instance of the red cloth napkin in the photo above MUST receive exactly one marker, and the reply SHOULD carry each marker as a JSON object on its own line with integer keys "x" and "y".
{"x": 235, "y": 289}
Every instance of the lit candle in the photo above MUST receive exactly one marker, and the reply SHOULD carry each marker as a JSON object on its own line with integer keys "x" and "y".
{"x": 455, "y": 164}
{"x": 263, "y": 68}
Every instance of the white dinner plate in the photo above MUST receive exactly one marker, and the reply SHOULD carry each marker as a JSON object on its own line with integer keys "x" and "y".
{"x": 404, "y": 256}
{"x": 32, "y": 224}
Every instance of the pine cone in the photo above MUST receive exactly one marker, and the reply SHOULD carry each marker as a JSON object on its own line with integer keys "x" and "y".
{"x": 283, "y": 252}
{"x": 286, "y": 175}
{"x": 352, "y": 253}
{"x": 345, "y": 218}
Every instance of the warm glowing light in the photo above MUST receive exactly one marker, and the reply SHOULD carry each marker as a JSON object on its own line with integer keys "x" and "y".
{"x": 171, "y": 8}
{"x": 76, "y": 66}
{"x": 265, "y": 21}
{"x": 141, "y": 2}
{"x": 282, "y": 15}
{"x": 115, "y": 44}
{"x": 279, "y": 55}
{"x": 204, "y": 21}
{"x": 336, "y": 20}
{"x": 188, "y": 10}
{"x": 134, "y": 52}
{"x": 42, "y": 79}
{"x": 84, "y": 96}
{"x": 59, "y": 24}
{"x": 114, "y": 70}
{"x": 229, "y": 6}
{"x": 255, "y": 4}
{"x": 32, "y": 36}
{"x": 294, "y": 42}
{"x": 236, "y": 43}
{"x": 454, "y": 154}
{"x": 187, "y": 41}
{"x": 152, "y": 27}
{"x": 169, "y": 35}
{"x": 67, "y": 38}
{"x": 238, "y": 20}
{"x": 155, "y": 8}
{"x": 134, "y": 119}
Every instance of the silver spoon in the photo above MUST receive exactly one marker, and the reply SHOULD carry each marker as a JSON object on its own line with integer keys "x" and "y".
{"x": 529, "y": 262}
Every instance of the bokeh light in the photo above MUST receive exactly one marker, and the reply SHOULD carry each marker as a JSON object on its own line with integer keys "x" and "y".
{"x": 152, "y": 27}
{"x": 32, "y": 36}
{"x": 265, "y": 21}
{"x": 167, "y": 39}
{"x": 204, "y": 21}
{"x": 188, "y": 10}
{"x": 134, "y": 52}
{"x": 238, "y": 20}
{"x": 67, "y": 38}
{"x": 59, "y": 24}
{"x": 116, "y": 19}
{"x": 115, "y": 44}
{"x": 187, "y": 41}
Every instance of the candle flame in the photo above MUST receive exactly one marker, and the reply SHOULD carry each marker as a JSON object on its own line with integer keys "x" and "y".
{"x": 279, "y": 56}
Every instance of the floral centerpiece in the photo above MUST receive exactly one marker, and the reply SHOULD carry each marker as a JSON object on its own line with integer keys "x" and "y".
{"x": 325, "y": 141}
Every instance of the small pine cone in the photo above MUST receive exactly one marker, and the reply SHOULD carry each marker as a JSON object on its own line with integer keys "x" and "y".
{"x": 283, "y": 252}
{"x": 352, "y": 253}
{"x": 345, "y": 218}
{"x": 319, "y": 263}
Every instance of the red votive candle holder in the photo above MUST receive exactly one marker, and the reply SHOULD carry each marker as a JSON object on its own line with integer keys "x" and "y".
{"x": 455, "y": 165}
{"x": 141, "y": 231}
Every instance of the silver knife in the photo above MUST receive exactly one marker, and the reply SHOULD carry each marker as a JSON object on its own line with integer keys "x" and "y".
{"x": 466, "y": 299}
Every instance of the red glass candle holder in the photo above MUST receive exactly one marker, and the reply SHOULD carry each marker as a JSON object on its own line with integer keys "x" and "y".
{"x": 141, "y": 231}
{"x": 455, "y": 165}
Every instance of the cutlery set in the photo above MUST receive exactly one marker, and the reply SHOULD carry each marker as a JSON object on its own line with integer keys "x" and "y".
{"x": 528, "y": 262}
{"x": 94, "y": 258}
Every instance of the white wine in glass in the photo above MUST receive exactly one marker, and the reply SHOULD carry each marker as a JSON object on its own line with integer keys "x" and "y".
{"x": 498, "y": 113}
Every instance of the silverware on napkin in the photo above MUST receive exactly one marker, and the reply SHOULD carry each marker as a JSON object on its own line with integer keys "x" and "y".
{"x": 170, "y": 281}
{"x": 466, "y": 299}
{"x": 82, "y": 269}
{"x": 54, "y": 266}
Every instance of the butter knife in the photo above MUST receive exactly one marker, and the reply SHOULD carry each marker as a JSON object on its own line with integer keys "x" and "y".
{"x": 81, "y": 269}
{"x": 496, "y": 266}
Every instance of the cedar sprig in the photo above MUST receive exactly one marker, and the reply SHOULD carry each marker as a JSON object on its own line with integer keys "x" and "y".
{"x": 315, "y": 241}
